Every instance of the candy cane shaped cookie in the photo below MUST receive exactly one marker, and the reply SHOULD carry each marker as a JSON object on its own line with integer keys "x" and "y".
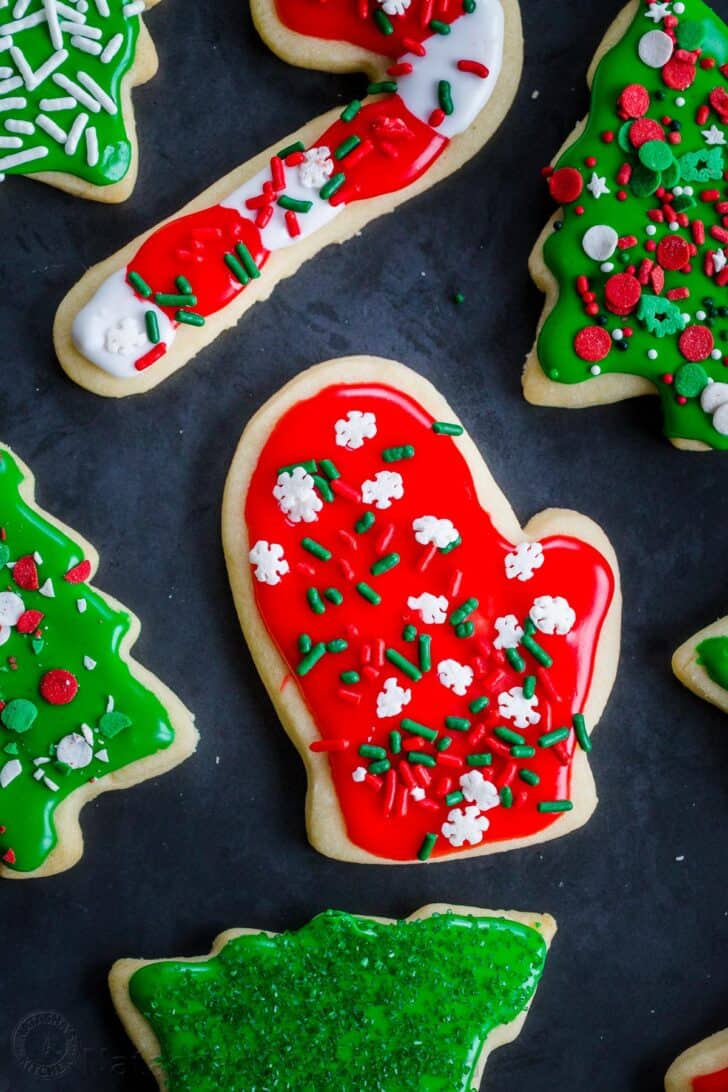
{"x": 442, "y": 76}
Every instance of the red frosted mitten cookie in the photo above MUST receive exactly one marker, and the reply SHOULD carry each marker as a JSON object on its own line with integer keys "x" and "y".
{"x": 438, "y": 668}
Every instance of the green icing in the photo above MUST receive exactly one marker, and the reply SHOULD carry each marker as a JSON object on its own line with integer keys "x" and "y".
{"x": 71, "y": 640}
{"x": 112, "y": 37}
{"x": 657, "y": 323}
{"x": 713, "y": 656}
{"x": 344, "y": 1003}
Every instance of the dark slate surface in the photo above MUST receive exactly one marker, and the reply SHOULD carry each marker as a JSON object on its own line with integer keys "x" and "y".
{"x": 637, "y": 971}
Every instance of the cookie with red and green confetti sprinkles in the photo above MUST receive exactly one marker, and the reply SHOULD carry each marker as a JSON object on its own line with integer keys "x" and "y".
{"x": 701, "y": 1068}
{"x": 701, "y": 663}
{"x": 440, "y": 82}
{"x": 439, "y": 668}
{"x": 66, "y": 73}
{"x": 634, "y": 263}
{"x": 345, "y": 1002}
{"x": 78, "y": 716}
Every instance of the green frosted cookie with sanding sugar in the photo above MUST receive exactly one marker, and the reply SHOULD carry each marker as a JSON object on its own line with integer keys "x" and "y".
{"x": 346, "y": 1003}
{"x": 78, "y": 716}
{"x": 635, "y": 263}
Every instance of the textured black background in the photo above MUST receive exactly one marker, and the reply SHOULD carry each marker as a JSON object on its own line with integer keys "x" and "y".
{"x": 638, "y": 969}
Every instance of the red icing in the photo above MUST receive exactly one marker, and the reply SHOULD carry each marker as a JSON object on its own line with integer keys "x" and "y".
{"x": 436, "y": 481}
{"x": 712, "y": 1082}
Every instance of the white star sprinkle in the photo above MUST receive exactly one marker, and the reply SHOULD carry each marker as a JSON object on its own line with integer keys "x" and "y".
{"x": 713, "y": 135}
{"x": 657, "y": 12}
{"x": 719, "y": 260}
{"x": 598, "y": 186}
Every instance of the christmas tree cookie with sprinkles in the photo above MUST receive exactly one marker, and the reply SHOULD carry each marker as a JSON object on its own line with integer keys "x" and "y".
{"x": 442, "y": 75}
{"x": 635, "y": 262}
{"x": 439, "y": 668}
{"x": 78, "y": 716}
{"x": 702, "y": 1068}
{"x": 66, "y": 74}
{"x": 356, "y": 1004}
{"x": 701, "y": 663}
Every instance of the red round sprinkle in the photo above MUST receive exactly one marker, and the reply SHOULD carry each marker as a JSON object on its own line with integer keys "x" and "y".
{"x": 579, "y": 210}
{"x": 79, "y": 573}
{"x": 622, "y": 293}
{"x": 25, "y": 573}
{"x": 634, "y": 100}
{"x": 668, "y": 378}
{"x": 673, "y": 252}
{"x": 58, "y": 687}
{"x": 645, "y": 129}
{"x": 592, "y": 343}
{"x": 679, "y": 75}
{"x": 608, "y": 137}
{"x": 621, "y": 195}
{"x": 29, "y": 621}
{"x": 696, "y": 343}
{"x": 566, "y": 185}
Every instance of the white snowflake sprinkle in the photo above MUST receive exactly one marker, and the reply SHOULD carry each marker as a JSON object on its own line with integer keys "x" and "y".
{"x": 513, "y": 705}
{"x": 359, "y": 774}
{"x": 455, "y": 676}
{"x": 296, "y": 495}
{"x": 270, "y": 564}
{"x": 432, "y": 609}
{"x": 509, "y": 631}
{"x": 392, "y": 699}
{"x": 354, "y": 429}
{"x": 382, "y": 489}
{"x": 552, "y": 614}
{"x": 477, "y": 790}
{"x": 525, "y": 559}
{"x": 431, "y": 531}
{"x": 315, "y": 168}
{"x": 125, "y": 336}
{"x": 465, "y": 825}
{"x": 395, "y": 7}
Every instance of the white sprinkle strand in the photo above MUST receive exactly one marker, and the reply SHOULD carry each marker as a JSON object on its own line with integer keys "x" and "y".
{"x": 49, "y": 105}
{"x": 54, "y": 29}
{"x": 12, "y": 104}
{"x": 92, "y": 146}
{"x": 103, "y": 8}
{"x": 112, "y": 48}
{"x": 9, "y": 161}
{"x": 76, "y": 133}
{"x": 98, "y": 92}
{"x": 135, "y": 8}
{"x": 86, "y": 45}
{"x": 49, "y": 126}
{"x": 10, "y": 142}
{"x": 77, "y": 92}
{"x": 17, "y": 125}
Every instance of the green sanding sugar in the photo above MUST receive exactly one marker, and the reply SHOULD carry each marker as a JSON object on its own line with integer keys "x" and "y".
{"x": 344, "y": 1003}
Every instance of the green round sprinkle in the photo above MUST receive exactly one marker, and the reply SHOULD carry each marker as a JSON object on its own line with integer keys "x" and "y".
{"x": 315, "y": 601}
{"x": 457, "y": 724}
{"x": 416, "y": 729}
{"x": 337, "y": 645}
{"x": 454, "y": 798}
{"x": 330, "y": 469}
{"x": 304, "y": 644}
{"x": 529, "y": 777}
{"x": 384, "y": 564}
{"x": 396, "y": 454}
{"x": 477, "y": 705}
{"x": 409, "y": 633}
{"x": 395, "y": 742}
{"x": 690, "y": 380}
{"x": 152, "y": 325}
{"x": 529, "y": 686}
{"x": 368, "y": 750}
{"x": 549, "y": 739}
{"x": 316, "y": 549}
{"x": 555, "y": 805}
{"x": 311, "y": 659}
{"x": 506, "y": 796}
{"x": 444, "y": 97}
{"x": 515, "y": 659}
{"x": 428, "y": 844}
{"x": 350, "y": 677}
{"x": 347, "y": 146}
{"x": 458, "y": 297}
{"x": 367, "y": 520}
{"x": 383, "y": 23}
{"x": 403, "y": 664}
{"x": 523, "y": 750}
{"x": 445, "y": 428}
{"x": 656, "y": 155}
{"x": 419, "y": 758}
{"x": 582, "y": 736}
{"x": 380, "y": 767}
{"x": 334, "y": 183}
{"x": 483, "y": 759}
{"x": 508, "y": 735}
{"x": 139, "y": 284}
{"x": 368, "y": 593}
{"x": 425, "y": 643}
{"x": 293, "y": 204}
{"x": 438, "y": 27}
{"x": 19, "y": 715}
{"x": 469, "y": 6}
{"x": 334, "y": 596}
{"x": 190, "y": 318}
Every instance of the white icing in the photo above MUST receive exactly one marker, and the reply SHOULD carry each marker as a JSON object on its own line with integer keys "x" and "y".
{"x": 275, "y": 235}
{"x": 432, "y": 608}
{"x": 714, "y": 400}
{"x": 431, "y": 531}
{"x": 296, "y": 495}
{"x": 11, "y": 608}
{"x": 382, "y": 489}
{"x": 509, "y": 631}
{"x": 270, "y": 564}
{"x": 513, "y": 705}
{"x": 352, "y": 430}
{"x": 655, "y": 48}
{"x": 465, "y": 825}
{"x": 455, "y": 676}
{"x": 475, "y": 37}
{"x": 477, "y": 790}
{"x": 110, "y": 330}
{"x": 552, "y": 614}
{"x": 74, "y": 751}
{"x": 317, "y": 167}
{"x": 600, "y": 242}
{"x": 523, "y": 562}
{"x": 392, "y": 699}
